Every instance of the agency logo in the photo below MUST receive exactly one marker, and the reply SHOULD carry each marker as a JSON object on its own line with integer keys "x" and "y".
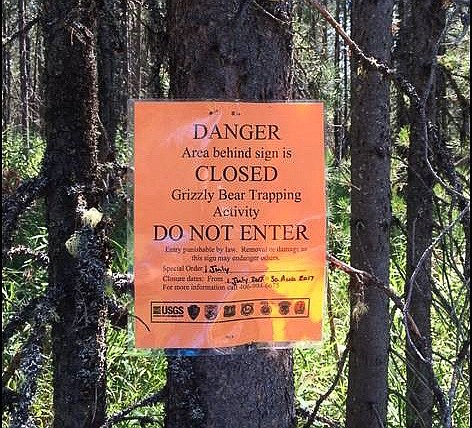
{"x": 229, "y": 311}
{"x": 300, "y": 307}
{"x": 193, "y": 311}
{"x": 211, "y": 312}
{"x": 265, "y": 308}
{"x": 284, "y": 307}
{"x": 167, "y": 311}
{"x": 247, "y": 309}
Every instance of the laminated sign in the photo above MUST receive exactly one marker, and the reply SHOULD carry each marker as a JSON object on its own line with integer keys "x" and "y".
{"x": 229, "y": 223}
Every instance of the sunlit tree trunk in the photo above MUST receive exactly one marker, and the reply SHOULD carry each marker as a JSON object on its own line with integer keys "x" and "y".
{"x": 424, "y": 30}
{"x": 76, "y": 270}
{"x": 370, "y": 218}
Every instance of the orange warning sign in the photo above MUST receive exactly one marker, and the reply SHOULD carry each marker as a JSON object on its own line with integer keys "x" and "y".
{"x": 229, "y": 223}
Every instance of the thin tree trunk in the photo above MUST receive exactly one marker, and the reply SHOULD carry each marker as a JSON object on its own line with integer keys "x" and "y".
{"x": 337, "y": 119}
{"x": 137, "y": 51}
{"x": 6, "y": 72}
{"x": 78, "y": 334}
{"x": 230, "y": 50}
{"x": 24, "y": 75}
{"x": 370, "y": 218}
{"x": 425, "y": 29}
{"x": 112, "y": 91}
{"x": 157, "y": 48}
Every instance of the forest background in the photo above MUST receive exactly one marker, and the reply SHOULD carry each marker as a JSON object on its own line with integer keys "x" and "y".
{"x": 394, "y": 77}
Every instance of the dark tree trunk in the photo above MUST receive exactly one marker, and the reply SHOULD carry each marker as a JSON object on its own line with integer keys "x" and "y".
{"x": 370, "y": 218}
{"x": 111, "y": 68}
{"x": 230, "y": 49}
{"x": 78, "y": 333}
{"x": 24, "y": 75}
{"x": 157, "y": 47}
{"x": 401, "y": 55}
{"x": 6, "y": 71}
{"x": 425, "y": 29}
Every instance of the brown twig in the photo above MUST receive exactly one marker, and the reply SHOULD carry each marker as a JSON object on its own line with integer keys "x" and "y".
{"x": 313, "y": 416}
{"x": 364, "y": 278}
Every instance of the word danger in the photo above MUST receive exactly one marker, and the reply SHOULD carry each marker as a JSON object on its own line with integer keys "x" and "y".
{"x": 227, "y": 232}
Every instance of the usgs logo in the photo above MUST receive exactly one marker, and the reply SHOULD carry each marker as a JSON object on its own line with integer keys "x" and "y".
{"x": 167, "y": 310}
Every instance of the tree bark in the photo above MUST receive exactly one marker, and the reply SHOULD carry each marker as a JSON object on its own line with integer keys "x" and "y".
{"x": 6, "y": 71}
{"x": 157, "y": 47}
{"x": 78, "y": 333}
{"x": 370, "y": 218}
{"x": 111, "y": 69}
{"x": 230, "y": 50}
{"x": 24, "y": 75}
{"x": 425, "y": 30}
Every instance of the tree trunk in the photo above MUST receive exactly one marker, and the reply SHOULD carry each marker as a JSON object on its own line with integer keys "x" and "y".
{"x": 24, "y": 75}
{"x": 6, "y": 71}
{"x": 157, "y": 47}
{"x": 111, "y": 68}
{"x": 425, "y": 29}
{"x": 78, "y": 333}
{"x": 370, "y": 218}
{"x": 230, "y": 50}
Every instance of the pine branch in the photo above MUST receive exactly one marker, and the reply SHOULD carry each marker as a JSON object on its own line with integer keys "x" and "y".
{"x": 122, "y": 283}
{"x": 368, "y": 61}
{"x": 31, "y": 365}
{"x": 462, "y": 356}
{"x": 117, "y": 314}
{"x": 40, "y": 310}
{"x": 39, "y": 257}
{"x": 15, "y": 204}
{"x": 364, "y": 279}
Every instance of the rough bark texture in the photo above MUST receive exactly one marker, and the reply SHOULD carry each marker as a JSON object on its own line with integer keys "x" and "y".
{"x": 370, "y": 218}
{"x": 157, "y": 47}
{"x": 230, "y": 49}
{"x": 425, "y": 29}
{"x": 24, "y": 75}
{"x": 71, "y": 116}
{"x": 111, "y": 68}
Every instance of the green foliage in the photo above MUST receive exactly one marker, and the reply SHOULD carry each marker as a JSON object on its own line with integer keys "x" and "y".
{"x": 25, "y": 161}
